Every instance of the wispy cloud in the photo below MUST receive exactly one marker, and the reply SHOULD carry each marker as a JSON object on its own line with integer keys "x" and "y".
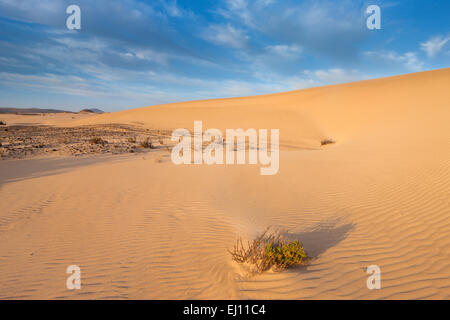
{"x": 434, "y": 45}
{"x": 409, "y": 59}
{"x": 226, "y": 35}
{"x": 285, "y": 51}
{"x": 142, "y": 52}
{"x": 336, "y": 75}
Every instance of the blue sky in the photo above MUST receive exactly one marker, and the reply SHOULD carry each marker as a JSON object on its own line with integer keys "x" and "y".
{"x": 134, "y": 53}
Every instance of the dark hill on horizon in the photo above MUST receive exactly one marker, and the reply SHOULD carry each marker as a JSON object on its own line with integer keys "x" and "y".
{"x": 92, "y": 110}
{"x": 31, "y": 111}
{"x": 39, "y": 110}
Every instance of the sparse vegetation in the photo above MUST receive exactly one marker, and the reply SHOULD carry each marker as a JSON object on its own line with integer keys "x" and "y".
{"x": 147, "y": 144}
{"x": 269, "y": 250}
{"x": 327, "y": 141}
{"x": 2, "y": 123}
{"x": 22, "y": 141}
{"x": 96, "y": 140}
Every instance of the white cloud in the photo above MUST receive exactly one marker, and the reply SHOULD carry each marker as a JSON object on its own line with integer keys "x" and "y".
{"x": 90, "y": 88}
{"x": 331, "y": 28}
{"x": 146, "y": 55}
{"x": 25, "y": 5}
{"x": 71, "y": 85}
{"x": 174, "y": 10}
{"x": 285, "y": 51}
{"x": 433, "y": 46}
{"x": 264, "y": 3}
{"x": 409, "y": 60}
{"x": 273, "y": 82}
{"x": 238, "y": 9}
{"x": 336, "y": 75}
{"x": 226, "y": 35}
{"x": 93, "y": 44}
{"x": 136, "y": 94}
{"x": 237, "y": 4}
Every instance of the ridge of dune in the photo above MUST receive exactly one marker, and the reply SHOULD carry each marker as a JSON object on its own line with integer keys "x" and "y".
{"x": 308, "y": 115}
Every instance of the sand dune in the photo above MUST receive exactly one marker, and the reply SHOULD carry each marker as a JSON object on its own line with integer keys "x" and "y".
{"x": 141, "y": 227}
{"x": 343, "y": 111}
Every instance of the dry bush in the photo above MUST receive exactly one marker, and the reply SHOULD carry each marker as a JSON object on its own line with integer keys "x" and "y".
{"x": 147, "y": 143}
{"x": 269, "y": 250}
{"x": 132, "y": 140}
{"x": 96, "y": 140}
{"x": 327, "y": 141}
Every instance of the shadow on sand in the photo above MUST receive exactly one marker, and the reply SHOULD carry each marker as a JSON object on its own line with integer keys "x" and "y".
{"x": 18, "y": 170}
{"x": 323, "y": 237}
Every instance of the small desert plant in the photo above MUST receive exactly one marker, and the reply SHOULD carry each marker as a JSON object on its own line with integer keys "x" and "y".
{"x": 132, "y": 140}
{"x": 2, "y": 123}
{"x": 327, "y": 141}
{"x": 285, "y": 255}
{"x": 269, "y": 250}
{"x": 147, "y": 143}
{"x": 96, "y": 140}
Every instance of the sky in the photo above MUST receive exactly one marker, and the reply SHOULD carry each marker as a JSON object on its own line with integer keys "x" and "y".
{"x": 135, "y": 53}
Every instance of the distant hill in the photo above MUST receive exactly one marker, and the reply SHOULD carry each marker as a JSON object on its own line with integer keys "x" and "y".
{"x": 92, "y": 110}
{"x": 30, "y": 111}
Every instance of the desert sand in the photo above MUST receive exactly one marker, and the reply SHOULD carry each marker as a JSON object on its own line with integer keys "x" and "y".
{"x": 140, "y": 227}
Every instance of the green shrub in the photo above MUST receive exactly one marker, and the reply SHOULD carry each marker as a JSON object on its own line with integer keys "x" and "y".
{"x": 285, "y": 255}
